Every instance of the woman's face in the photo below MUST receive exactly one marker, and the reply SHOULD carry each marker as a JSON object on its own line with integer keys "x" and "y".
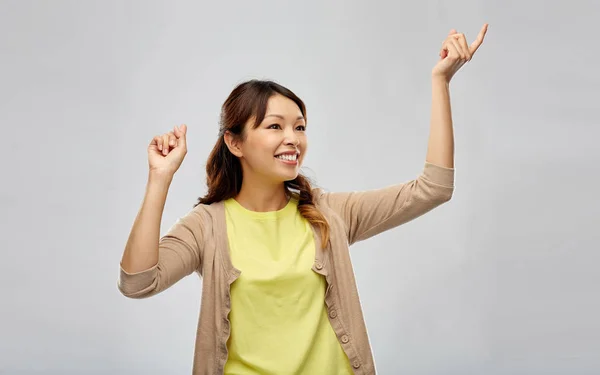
{"x": 274, "y": 150}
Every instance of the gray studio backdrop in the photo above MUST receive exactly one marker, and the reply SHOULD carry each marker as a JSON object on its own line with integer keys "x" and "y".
{"x": 503, "y": 279}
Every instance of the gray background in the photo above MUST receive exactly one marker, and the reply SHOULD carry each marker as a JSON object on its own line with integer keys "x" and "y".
{"x": 502, "y": 279}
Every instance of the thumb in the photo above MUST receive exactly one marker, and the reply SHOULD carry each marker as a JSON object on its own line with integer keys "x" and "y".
{"x": 180, "y": 132}
{"x": 452, "y": 32}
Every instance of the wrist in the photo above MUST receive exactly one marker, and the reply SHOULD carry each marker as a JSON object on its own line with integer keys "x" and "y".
{"x": 439, "y": 78}
{"x": 160, "y": 177}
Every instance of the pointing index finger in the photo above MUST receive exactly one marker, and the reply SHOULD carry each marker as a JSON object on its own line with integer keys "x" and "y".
{"x": 475, "y": 45}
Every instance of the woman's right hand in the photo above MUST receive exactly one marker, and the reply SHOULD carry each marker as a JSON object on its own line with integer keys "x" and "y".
{"x": 166, "y": 151}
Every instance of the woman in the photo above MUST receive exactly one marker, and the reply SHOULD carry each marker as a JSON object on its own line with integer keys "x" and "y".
{"x": 278, "y": 293}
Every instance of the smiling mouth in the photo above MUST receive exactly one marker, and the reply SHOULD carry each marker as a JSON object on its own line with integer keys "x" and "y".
{"x": 288, "y": 157}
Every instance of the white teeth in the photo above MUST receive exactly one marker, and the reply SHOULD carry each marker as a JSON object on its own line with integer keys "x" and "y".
{"x": 287, "y": 157}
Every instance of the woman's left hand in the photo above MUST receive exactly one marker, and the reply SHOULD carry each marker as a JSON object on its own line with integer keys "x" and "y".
{"x": 455, "y": 53}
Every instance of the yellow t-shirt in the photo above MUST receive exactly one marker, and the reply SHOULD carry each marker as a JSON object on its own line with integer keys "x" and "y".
{"x": 279, "y": 322}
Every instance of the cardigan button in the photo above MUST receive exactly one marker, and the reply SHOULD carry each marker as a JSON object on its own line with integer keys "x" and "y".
{"x": 319, "y": 265}
{"x": 356, "y": 364}
{"x": 345, "y": 339}
{"x": 332, "y": 314}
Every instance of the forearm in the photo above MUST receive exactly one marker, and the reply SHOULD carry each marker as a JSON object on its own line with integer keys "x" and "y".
{"x": 141, "y": 250}
{"x": 440, "y": 148}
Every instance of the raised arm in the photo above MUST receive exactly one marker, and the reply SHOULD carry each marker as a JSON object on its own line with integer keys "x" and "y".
{"x": 370, "y": 212}
{"x": 367, "y": 213}
{"x": 151, "y": 264}
{"x": 454, "y": 54}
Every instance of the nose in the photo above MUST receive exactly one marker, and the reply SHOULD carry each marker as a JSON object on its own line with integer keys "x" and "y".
{"x": 291, "y": 138}
{"x": 292, "y": 141}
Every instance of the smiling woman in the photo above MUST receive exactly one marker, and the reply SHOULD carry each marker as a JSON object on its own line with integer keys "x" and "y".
{"x": 278, "y": 291}
{"x": 258, "y": 156}
{"x": 268, "y": 149}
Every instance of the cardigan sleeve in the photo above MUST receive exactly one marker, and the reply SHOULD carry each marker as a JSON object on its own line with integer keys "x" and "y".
{"x": 179, "y": 254}
{"x": 368, "y": 213}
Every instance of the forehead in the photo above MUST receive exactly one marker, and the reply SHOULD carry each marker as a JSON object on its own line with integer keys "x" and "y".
{"x": 280, "y": 105}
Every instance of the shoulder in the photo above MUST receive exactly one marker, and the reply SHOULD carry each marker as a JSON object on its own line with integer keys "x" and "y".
{"x": 209, "y": 211}
{"x": 328, "y": 199}
{"x": 202, "y": 217}
{"x": 318, "y": 194}
{"x": 324, "y": 201}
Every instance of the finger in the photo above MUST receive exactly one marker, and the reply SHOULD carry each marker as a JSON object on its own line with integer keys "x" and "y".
{"x": 475, "y": 45}
{"x": 157, "y": 140}
{"x": 462, "y": 40}
{"x": 181, "y": 134}
{"x": 459, "y": 50}
{"x": 177, "y": 134}
{"x": 165, "y": 140}
{"x": 172, "y": 139}
{"x": 177, "y": 131}
{"x": 452, "y": 32}
{"x": 443, "y": 53}
{"x": 453, "y": 52}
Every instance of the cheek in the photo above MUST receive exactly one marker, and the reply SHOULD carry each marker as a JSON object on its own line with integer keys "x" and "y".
{"x": 258, "y": 154}
{"x": 303, "y": 147}
{"x": 266, "y": 142}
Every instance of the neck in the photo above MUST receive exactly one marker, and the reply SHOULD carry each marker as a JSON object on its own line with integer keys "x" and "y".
{"x": 262, "y": 197}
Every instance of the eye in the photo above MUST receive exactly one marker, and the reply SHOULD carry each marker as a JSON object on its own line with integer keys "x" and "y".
{"x": 274, "y": 126}
{"x": 301, "y": 128}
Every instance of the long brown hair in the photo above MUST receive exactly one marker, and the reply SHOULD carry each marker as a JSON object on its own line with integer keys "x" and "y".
{"x": 224, "y": 170}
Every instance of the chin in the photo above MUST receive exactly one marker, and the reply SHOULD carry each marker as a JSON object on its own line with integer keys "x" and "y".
{"x": 289, "y": 177}
{"x": 283, "y": 177}
{"x": 286, "y": 173}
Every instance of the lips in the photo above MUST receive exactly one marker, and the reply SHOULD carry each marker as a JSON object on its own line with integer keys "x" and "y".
{"x": 288, "y": 157}
{"x": 291, "y": 152}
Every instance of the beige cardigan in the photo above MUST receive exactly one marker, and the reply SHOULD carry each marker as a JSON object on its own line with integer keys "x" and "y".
{"x": 197, "y": 242}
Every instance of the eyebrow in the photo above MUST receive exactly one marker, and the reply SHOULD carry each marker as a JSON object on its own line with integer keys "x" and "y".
{"x": 281, "y": 117}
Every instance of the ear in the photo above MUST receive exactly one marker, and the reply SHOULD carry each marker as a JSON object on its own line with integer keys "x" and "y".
{"x": 233, "y": 144}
